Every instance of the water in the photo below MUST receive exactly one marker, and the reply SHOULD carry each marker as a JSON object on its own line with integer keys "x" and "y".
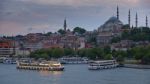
{"x": 74, "y": 74}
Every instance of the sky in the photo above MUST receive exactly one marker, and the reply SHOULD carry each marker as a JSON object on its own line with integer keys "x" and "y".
{"x": 41, "y": 16}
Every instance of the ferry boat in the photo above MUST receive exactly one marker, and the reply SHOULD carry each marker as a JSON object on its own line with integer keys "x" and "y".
{"x": 45, "y": 65}
{"x": 73, "y": 60}
{"x": 103, "y": 64}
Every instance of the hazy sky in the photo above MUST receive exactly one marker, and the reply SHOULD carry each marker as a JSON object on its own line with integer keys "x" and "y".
{"x": 28, "y": 16}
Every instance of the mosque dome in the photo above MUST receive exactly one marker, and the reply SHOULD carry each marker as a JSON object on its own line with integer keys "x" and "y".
{"x": 113, "y": 20}
{"x": 112, "y": 24}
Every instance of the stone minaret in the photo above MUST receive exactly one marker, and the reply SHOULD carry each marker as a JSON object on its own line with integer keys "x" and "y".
{"x": 129, "y": 19}
{"x": 146, "y": 21}
{"x": 117, "y": 12}
{"x": 65, "y": 25}
{"x": 136, "y": 20}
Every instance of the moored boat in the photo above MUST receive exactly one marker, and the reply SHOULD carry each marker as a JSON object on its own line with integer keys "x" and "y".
{"x": 103, "y": 64}
{"x": 1, "y": 60}
{"x": 9, "y": 61}
{"x": 73, "y": 60}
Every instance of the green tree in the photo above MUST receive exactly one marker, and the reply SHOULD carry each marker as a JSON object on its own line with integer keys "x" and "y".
{"x": 48, "y": 33}
{"x": 146, "y": 58}
{"x": 68, "y": 51}
{"x": 44, "y": 55}
{"x": 107, "y": 50}
{"x": 115, "y": 39}
{"x": 125, "y": 34}
{"x": 90, "y": 54}
{"x": 57, "y": 52}
{"x": 61, "y": 31}
{"x": 82, "y": 52}
{"x": 79, "y": 30}
{"x": 120, "y": 59}
{"x": 108, "y": 57}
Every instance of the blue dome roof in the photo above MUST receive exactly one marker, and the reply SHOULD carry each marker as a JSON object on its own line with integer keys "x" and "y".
{"x": 113, "y": 18}
{"x": 111, "y": 22}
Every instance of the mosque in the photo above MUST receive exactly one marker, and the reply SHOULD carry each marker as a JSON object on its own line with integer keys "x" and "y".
{"x": 113, "y": 28}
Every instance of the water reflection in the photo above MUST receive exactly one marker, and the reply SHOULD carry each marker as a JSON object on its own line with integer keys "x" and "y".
{"x": 48, "y": 73}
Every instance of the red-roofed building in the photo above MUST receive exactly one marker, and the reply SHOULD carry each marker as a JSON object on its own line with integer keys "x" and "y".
{"x": 6, "y": 48}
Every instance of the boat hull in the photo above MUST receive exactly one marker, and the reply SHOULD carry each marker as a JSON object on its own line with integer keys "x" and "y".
{"x": 40, "y": 68}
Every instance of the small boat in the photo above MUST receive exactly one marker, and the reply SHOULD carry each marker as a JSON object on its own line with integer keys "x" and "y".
{"x": 45, "y": 65}
{"x": 9, "y": 61}
{"x": 1, "y": 60}
{"x": 103, "y": 64}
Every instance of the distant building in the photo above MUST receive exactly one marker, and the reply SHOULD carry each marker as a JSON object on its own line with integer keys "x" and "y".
{"x": 110, "y": 29}
{"x": 113, "y": 25}
{"x": 104, "y": 38}
{"x": 22, "y": 52}
{"x": 7, "y": 48}
{"x": 123, "y": 45}
{"x": 52, "y": 41}
{"x": 81, "y": 42}
{"x": 70, "y": 41}
{"x": 34, "y": 37}
{"x": 33, "y": 46}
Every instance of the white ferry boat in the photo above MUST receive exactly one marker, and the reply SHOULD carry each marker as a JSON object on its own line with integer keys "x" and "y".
{"x": 73, "y": 60}
{"x": 103, "y": 64}
{"x": 45, "y": 65}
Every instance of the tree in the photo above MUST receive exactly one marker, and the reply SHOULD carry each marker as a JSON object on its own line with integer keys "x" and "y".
{"x": 90, "y": 54}
{"x": 107, "y": 50}
{"x": 108, "y": 57}
{"x": 79, "y": 30}
{"x": 146, "y": 58}
{"x": 120, "y": 59}
{"x": 61, "y": 31}
{"x": 125, "y": 34}
{"x": 48, "y": 33}
{"x": 126, "y": 26}
{"x": 44, "y": 55}
{"x": 115, "y": 39}
{"x": 39, "y": 54}
{"x": 68, "y": 51}
{"x": 57, "y": 52}
{"x": 137, "y": 53}
{"x": 82, "y": 52}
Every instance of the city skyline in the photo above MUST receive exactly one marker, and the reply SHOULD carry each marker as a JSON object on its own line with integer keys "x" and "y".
{"x": 31, "y": 16}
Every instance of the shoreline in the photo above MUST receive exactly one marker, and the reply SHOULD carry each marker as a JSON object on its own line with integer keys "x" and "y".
{"x": 137, "y": 66}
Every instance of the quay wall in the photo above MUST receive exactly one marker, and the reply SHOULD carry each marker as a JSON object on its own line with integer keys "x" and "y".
{"x": 137, "y": 66}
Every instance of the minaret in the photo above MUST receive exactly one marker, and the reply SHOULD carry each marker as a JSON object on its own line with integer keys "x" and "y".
{"x": 136, "y": 21}
{"x": 129, "y": 19}
{"x": 117, "y": 12}
{"x": 65, "y": 25}
{"x": 146, "y": 21}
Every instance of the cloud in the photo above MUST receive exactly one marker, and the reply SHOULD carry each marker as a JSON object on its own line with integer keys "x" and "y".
{"x": 145, "y": 3}
{"x": 77, "y": 3}
{"x": 48, "y": 15}
{"x": 11, "y": 28}
{"x": 45, "y": 27}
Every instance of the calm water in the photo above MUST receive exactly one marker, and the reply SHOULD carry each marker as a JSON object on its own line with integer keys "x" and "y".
{"x": 74, "y": 74}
